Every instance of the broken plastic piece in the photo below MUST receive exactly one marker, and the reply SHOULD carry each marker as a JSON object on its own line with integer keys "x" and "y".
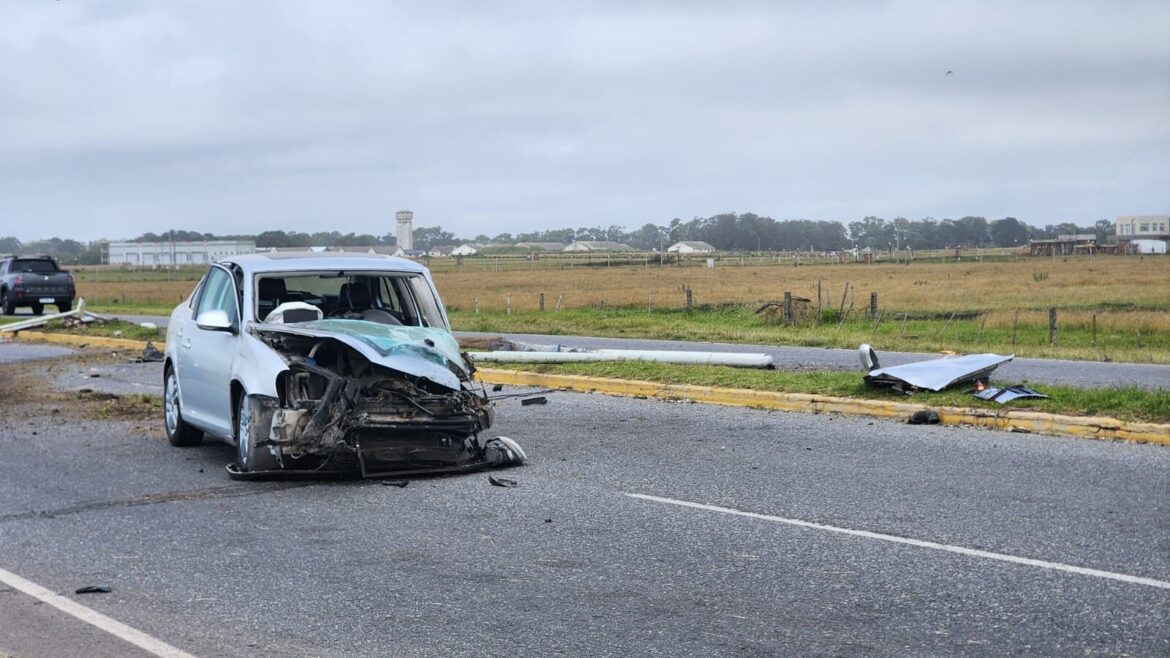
{"x": 501, "y": 482}
{"x": 924, "y": 417}
{"x": 1004, "y": 395}
{"x": 150, "y": 353}
{"x": 536, "y": 400}
{"x": 94, "y": 589}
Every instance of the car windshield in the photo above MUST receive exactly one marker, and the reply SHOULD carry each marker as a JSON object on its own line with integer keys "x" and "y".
{"x": 388, "y": 298}
{"x": 37, "y": 265}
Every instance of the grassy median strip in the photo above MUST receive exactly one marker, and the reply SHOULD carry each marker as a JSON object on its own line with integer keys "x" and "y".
{"x": 1122, "y": 403}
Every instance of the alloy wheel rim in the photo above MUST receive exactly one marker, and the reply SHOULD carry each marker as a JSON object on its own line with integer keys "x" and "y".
{"x": 242, "y": 432}
{"x": 171, "y": 403}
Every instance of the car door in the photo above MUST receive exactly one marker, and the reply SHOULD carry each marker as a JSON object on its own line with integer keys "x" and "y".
{"x": 206, "y": 356}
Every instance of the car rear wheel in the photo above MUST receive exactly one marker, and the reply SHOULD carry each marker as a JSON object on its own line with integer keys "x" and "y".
{"x": 252, "y": 457}
{"x": 65, "y": 306}
{"x": 7, "y": 306}
{"x": 179, "y": 433}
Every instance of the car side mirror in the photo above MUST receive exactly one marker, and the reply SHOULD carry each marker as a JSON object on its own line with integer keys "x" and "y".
{"x": 214, "y": 320}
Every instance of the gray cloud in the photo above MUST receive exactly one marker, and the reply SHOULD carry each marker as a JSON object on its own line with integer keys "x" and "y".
{"x": 122, "y": 117}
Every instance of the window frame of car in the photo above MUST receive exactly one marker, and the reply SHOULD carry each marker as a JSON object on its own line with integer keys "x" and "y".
{"x": 404, "y": 287}
{"x": 202, "y": 290}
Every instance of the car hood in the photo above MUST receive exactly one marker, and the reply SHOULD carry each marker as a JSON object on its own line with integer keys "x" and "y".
{"x": 419, "y": 351}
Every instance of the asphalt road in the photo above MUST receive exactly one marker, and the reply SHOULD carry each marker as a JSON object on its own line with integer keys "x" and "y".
{"x": 568, "y": 562}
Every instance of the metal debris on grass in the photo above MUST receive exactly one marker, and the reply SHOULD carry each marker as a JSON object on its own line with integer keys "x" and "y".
{"x": 1005, "y": 395}
{"x": 932, "y": 375}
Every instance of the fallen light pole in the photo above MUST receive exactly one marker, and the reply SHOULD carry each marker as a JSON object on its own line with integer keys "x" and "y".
{"x": 734, "y": 359}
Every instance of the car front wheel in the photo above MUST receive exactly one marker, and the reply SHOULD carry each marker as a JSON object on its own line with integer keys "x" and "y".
{"x": 252, "y": 457}
{"x": 179, "y": 433}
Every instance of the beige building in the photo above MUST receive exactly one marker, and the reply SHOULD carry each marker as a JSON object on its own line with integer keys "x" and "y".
{"x": 1149, "y": 234}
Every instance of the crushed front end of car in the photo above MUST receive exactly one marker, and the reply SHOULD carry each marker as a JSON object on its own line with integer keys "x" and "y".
{"x": 361, "y": 398}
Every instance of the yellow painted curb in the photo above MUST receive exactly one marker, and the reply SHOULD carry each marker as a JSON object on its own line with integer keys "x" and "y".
{"x": 1089, "y": 427}
{"x": 77, "y": 340}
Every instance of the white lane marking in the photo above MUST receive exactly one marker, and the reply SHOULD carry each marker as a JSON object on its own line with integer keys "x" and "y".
{"x": 90, "y": 616}
{"x": 961, "y": 550}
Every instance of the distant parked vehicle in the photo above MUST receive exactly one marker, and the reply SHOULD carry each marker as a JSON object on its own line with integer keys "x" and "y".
{"x": 34, "y": 282}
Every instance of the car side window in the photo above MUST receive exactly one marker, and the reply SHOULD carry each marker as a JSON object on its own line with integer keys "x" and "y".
{"x": 217, "y": 294}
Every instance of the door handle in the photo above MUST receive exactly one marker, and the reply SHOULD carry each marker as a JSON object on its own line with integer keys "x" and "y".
{"x": 186, "y": 344}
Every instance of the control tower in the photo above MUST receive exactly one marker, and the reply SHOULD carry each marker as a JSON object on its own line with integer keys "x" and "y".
{"x": 405, "y": 229}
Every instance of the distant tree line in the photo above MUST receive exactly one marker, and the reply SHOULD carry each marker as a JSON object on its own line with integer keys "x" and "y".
{"x": 727, "y": 231}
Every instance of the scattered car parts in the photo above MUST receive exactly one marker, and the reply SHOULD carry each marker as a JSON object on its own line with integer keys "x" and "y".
{"x": 1005, "y": 395}
{"x": 931, "y": 375}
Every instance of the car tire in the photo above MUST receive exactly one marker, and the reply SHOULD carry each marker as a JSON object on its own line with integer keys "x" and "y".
{"x": 38, "y": 309}
{"x": 7, "y": 306}
{"x": 65, "y": 306}
{"x": 179, "y": 433}
{"x": 251, "y": 458}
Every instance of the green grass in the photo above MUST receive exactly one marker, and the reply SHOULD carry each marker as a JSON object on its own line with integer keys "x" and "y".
{"x": 921, "y": 332}
{"x": 1124, "y": 403}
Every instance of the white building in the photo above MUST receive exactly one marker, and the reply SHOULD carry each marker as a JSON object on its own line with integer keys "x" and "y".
{"x": 151, "y": 254}
{"x": 468, "y": 249}
{"x": 691, "y": 247}
{"x": 1149, "y": 234}
{"x": 597, "y": 245}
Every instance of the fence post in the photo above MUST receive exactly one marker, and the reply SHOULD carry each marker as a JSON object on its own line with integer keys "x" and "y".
{"x": 689, "y": 299}
{"x": 873, "y": 304}
{"x": 1052, "y": 326}
{"x": 477, "y": 305}
{"x": 542, "y": 302}
{"x": 559, "y": 298}
{"x": 509, "y": 298}
{"x": 982, "y": 321}
{"x": 902, "y": 331}
{"x": 1140, "y": 343}
{"x": 948, "y": 324}
{"x": 1015, "y": 323}
{"x": 818, "y": 301}
{"x": 787, "y": 307}
{"x": 1094, "y": 330}
{"x": 844, "y": 294}
{"x": 650, "y": 301}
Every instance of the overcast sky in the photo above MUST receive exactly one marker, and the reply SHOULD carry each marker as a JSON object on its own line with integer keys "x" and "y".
{"x": 118, "y": 118}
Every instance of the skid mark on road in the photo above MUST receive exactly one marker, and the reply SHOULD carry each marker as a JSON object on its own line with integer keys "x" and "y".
{"x": 93, "y": 617}
{"x": 231, "y": 491}
{"x": 961, "y": 550}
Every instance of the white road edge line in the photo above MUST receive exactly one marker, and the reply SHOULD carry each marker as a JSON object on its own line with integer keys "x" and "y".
{"x": 90, "y": 616}
{"x": 961, "y": 550}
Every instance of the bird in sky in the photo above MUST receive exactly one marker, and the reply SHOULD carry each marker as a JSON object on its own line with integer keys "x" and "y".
{"x": 949, "y": 72}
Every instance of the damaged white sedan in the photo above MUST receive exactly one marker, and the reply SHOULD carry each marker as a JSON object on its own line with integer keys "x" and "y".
{"x": 315, "y": 364}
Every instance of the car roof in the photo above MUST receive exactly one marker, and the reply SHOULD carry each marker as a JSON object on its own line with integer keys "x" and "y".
{"x": 307, "y": 261}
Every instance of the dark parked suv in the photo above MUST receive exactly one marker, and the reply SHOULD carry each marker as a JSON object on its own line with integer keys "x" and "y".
{"x": 34, "y": 281}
